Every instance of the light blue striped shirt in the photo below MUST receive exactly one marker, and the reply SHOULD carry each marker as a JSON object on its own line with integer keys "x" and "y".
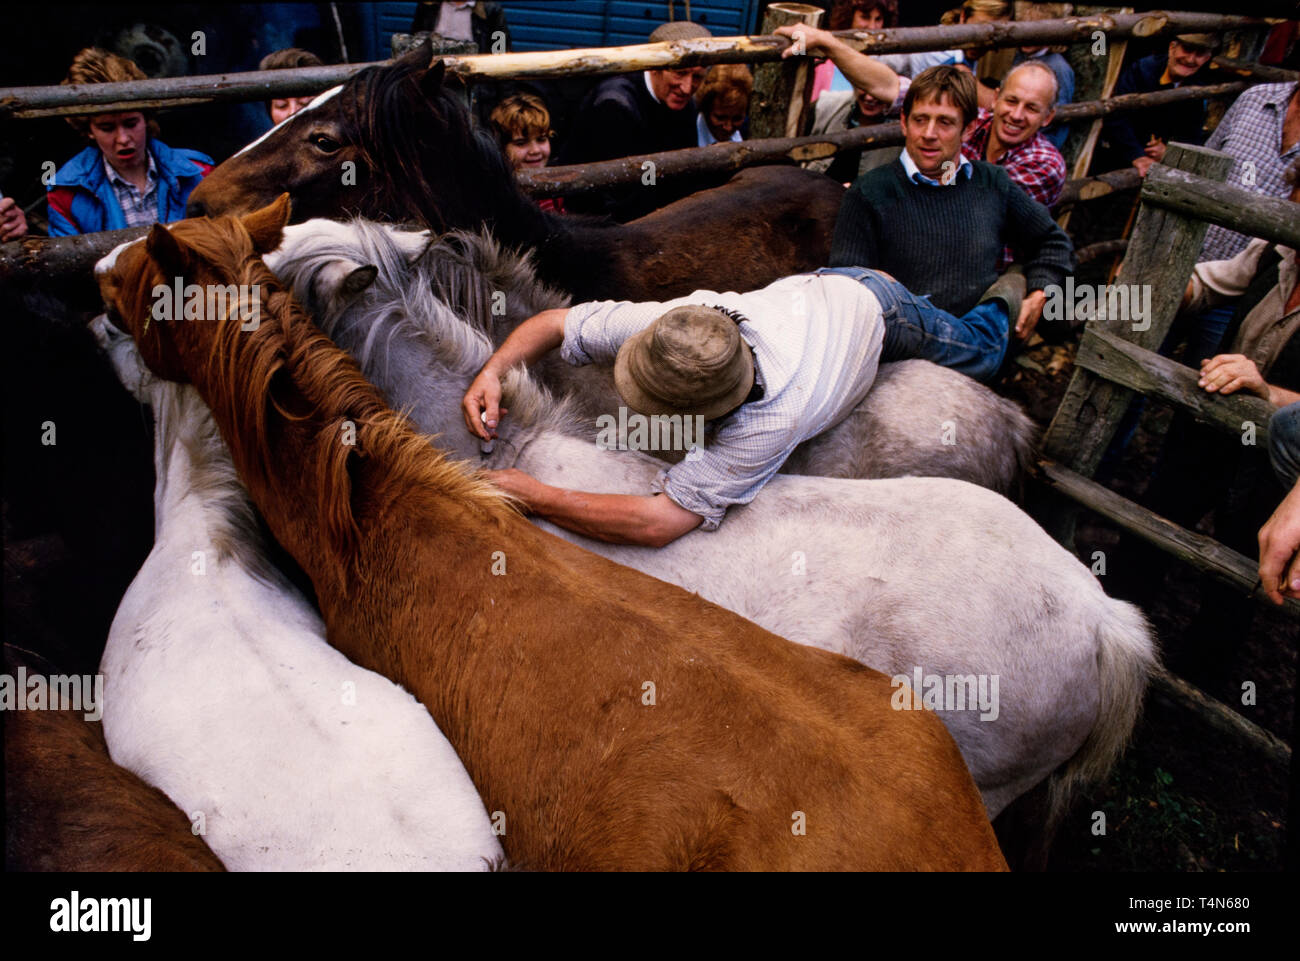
{"x": 816, "y": 342}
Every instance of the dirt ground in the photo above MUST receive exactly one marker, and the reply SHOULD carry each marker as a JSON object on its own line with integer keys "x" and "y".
{"x": 1185, "y": 797}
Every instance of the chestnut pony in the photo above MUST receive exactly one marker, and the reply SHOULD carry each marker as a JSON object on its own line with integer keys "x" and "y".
{"x": 393, "y": 144}
{"x": 68, "y": 807}
{"x": 610, "y": 720}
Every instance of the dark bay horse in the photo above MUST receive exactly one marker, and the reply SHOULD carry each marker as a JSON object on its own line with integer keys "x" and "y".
{"x": 615, "y": 721}
{"x": 394, "y": 144}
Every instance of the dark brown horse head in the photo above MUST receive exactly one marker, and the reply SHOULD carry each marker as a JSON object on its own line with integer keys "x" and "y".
{"x": 390, "y": 144}
{"x": 133, "y": 278}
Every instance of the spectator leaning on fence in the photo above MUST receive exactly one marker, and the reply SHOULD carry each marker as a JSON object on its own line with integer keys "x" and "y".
{"x": 522, "y": 125}
{"x": 1139, "y": 137}
{"x": 1261, "y": 355}
{"x": 1265, "y": 326}
{"x": 127, "y": 177}
{"x": 1261, "y": 132}
{"x": 1050, "y": 57}
{"x": 1011, "y": 134}
{"x": 635, "y": 114}
{"x": 282, "y": 108}
{"x": 723, "y": 101}
{"x": 939, "y": 222}
{"x": 876, "y": 93}
{"x": 852, "y": 15}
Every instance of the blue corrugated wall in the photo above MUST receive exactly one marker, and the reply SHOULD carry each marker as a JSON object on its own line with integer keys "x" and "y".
{"x": 562, "y": 24}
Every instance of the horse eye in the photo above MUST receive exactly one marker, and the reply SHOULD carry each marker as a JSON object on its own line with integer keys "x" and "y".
{"x": 327, "y": 144}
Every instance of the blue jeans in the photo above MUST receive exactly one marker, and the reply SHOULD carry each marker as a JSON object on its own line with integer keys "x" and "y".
{"x": 973, "y": 344}
{"x": 1284, "y": 444}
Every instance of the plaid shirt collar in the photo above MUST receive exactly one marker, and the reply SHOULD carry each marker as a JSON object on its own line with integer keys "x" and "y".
{"x": 119, "y": 182}
{"x": 1036, "y": 165}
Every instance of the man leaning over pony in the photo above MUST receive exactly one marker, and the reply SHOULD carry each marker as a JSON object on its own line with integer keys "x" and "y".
{"x": 769, "y": 369}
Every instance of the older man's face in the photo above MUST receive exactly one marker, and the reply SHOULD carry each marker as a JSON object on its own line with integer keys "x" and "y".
{"x": 1185, "y": 61}
{"x": 1023, "y": 107}
{"x": 676, "y": 87}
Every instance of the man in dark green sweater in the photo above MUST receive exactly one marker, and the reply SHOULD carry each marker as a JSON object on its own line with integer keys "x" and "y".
{"x": 937, "y": 222}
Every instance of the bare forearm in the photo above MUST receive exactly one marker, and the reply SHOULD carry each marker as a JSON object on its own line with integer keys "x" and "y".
{"x": 530, "y": 341}
{"x": 616, "y": 518}
{"x": 1281, "y": 397}
{"x": 864, "y": 72}
{"x": 612, "y": 518}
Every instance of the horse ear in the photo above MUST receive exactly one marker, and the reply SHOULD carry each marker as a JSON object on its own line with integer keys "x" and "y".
{"x": 431, "y": 80}
{"x": 165, "y": 250}
{"x": 360, "y": 279}
{"x": 266, "y": 226}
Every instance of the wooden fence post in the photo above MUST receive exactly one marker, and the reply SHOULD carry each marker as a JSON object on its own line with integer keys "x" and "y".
{"x": 1160, "y": 257}
{"x": 781, "y": 90}
{"x": 1095, "y": 79}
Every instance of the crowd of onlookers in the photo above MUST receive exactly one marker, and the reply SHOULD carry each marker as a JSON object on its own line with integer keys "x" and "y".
{"x": 959, "y": 213}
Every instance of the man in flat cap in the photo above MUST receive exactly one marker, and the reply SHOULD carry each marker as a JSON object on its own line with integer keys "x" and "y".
{"x": 767, "y": 369}
{"x": 633, "y": 114}
{"x": 1140, "y": 138}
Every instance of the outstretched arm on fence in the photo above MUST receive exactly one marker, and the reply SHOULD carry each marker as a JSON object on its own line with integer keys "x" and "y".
{"x": 864, "y": 72}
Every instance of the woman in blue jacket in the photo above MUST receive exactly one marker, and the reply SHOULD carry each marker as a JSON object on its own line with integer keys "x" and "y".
{"x": 127, "y": 177}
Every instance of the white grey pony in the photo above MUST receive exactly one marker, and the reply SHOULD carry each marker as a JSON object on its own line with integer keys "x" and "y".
{"x": 928, "y": 575}
{"x": 222, "y": 691}
{"x": 919, "y": 419}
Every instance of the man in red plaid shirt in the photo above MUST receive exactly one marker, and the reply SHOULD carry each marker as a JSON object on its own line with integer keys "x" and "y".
{"x": 1009, "y": 134}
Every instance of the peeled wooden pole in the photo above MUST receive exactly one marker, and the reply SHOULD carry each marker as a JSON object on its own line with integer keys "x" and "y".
{"x": 1257, "y": 71}
{"x": 61, "y": 100}
{"x": 782, "y": 89}
{"x": 572, "y": 180}
{"x": 41, "y": 257}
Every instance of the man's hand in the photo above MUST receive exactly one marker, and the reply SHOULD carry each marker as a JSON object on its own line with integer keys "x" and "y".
{"x": 812, "y": 41}
{"x": 523, "y": 487}
{"x": 525, "y": 345}
{"x": 483, "y": 396}
{"x": 1279, "y": 542}
{"x": 1143, "y": 165}
{"x": 861, "y": 71}
{"x": 1155, "y": 149}
{"x": 1229, "y": 373}
{"x": 1031, "y": 309}
{"x": 13, "y": 223}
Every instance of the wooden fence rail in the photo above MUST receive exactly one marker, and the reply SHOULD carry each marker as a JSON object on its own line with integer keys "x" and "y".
{"x": 1116, "y": 360}
{"x": 568, "y": 181}
{"x": 72, "y": 99}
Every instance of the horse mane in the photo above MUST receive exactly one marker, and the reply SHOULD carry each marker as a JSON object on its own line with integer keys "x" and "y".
{"x": 444, "y": 300}
{"x": 265, "y": 378}
{"x": 424, "y": 155}
{"x": 397, "y": 122}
